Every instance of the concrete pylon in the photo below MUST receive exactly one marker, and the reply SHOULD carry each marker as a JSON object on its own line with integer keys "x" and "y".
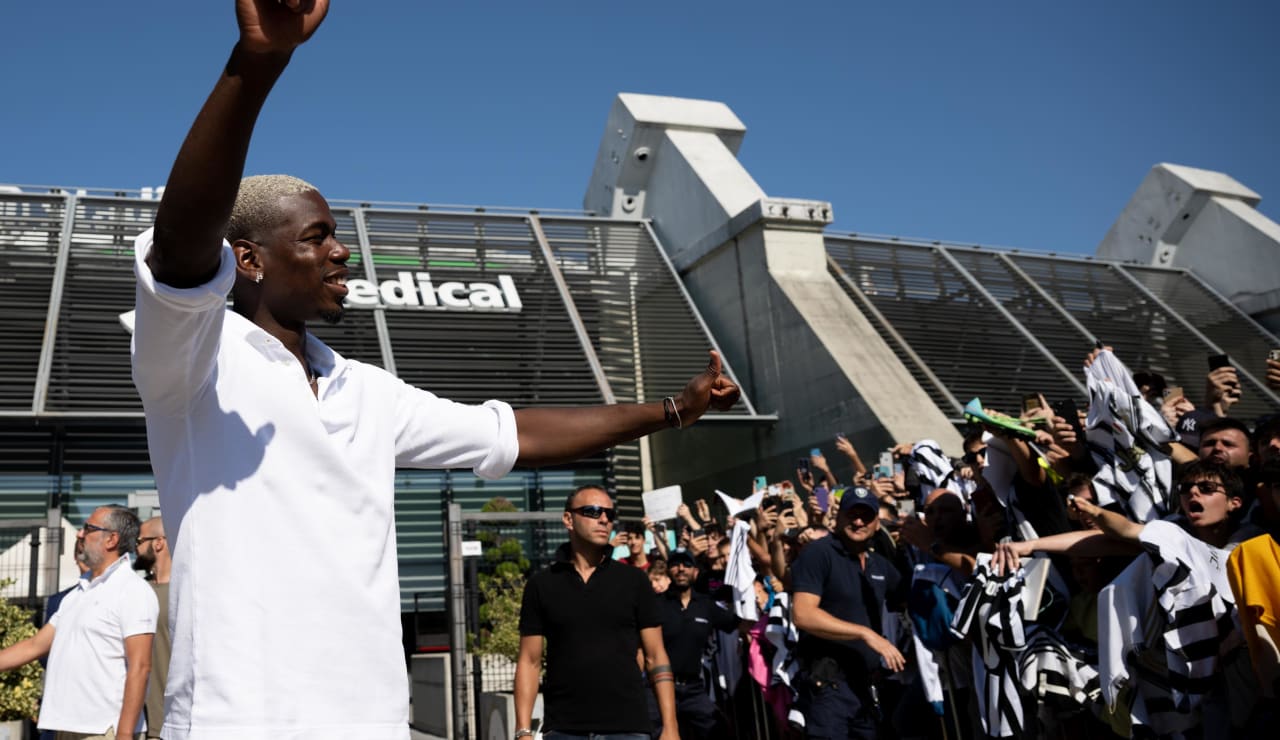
{"x": 756, "y": 267}
{"x": 1206, "y": 222}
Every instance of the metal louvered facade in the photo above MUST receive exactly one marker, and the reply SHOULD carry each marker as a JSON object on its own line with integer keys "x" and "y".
{"x": 997, "y": 325}
{"x": 603, "y": 319}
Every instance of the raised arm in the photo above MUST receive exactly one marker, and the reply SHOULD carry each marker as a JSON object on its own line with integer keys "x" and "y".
{"x": 552, "y": 435}
{"x": 202, "y": 185}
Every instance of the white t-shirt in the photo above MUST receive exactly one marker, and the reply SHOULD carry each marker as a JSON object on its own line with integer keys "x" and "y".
{"x": 284, "y": 598}
{"x": 84, "y": 684}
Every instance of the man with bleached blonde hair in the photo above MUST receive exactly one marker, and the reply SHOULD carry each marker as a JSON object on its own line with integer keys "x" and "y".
{"x": 252, "y": 419}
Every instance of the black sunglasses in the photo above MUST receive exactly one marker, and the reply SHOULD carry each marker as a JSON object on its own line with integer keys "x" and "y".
{"x": 91, "y": 528}
{"x": 1206, "y": 487}
{"x": 594, "y": 512}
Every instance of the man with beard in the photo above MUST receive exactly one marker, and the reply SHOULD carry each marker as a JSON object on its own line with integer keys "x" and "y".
{"x": 1225, "y": 441}
{"x": 687, "y": 620}
{"x": 99, "y": 641}
{"x": 250, "y": 418}
{"x": 596, "y": 615}
{"x": 841, "y": 588}
{"x": 154, "y": 559}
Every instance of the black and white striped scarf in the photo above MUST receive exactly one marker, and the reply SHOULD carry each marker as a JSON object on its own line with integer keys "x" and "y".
{"x": 1051, "y": 668}
{"x": 1160, "y": 625}
{"x": 1125, "y": 437}
{"x": 990, "y": 615}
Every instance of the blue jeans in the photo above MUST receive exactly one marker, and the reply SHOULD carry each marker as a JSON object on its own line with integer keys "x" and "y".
{"x": 554, "y": 735}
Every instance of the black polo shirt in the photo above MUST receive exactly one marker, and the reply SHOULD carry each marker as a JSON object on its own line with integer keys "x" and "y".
{"x": 593, "y": 632}
{"x": 686, "y": 630}
{"x": 848, "y": 592}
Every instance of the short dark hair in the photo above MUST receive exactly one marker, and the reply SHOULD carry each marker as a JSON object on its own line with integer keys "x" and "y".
{"x": 1225, "y": 422}
{"x": 125, "y": 524}
{"x": 568, "y": 502}
{"x": 973, "y": 437}
{"x": 1230, "y": 481}
{"x": 1076, "y": 481}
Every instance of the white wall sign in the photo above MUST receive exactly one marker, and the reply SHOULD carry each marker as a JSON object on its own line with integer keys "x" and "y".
{"x": 415, "y": 290}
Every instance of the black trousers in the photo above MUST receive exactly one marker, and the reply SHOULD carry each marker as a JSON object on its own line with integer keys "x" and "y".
{"x": 696, "y": 714}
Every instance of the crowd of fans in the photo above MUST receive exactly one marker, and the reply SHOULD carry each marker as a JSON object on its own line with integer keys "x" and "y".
{"x": 1110, "y": 570}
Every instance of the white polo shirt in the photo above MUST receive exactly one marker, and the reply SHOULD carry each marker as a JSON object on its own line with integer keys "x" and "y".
{"x": 284, "y": 597}
{"x": 84, "y": 683}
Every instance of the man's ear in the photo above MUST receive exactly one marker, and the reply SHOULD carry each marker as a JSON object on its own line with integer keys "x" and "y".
{"x": 1234, "y": 502}
{"x": 248, "y": 259}
{"x": 568, "y": 520}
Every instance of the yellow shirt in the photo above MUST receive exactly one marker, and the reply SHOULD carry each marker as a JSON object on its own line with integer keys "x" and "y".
{"x": 1254, "y": 571}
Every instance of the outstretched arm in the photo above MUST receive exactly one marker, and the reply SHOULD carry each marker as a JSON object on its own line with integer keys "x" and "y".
{"x": 202, "y": 185}
{"x": 553, "y": 435}
{"x": 23, "y": 652}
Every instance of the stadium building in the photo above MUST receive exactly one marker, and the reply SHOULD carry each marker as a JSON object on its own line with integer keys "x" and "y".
{"x": 677, "y": 250}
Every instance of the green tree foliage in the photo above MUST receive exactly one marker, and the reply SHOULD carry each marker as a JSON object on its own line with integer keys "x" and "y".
{"x": 501, "y": 588}
{"x": 20, "y": 689}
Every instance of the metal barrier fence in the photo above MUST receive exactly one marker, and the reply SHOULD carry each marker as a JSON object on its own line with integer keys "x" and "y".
{"x": 25, "y": 565}
{"x": 491, "y": 554}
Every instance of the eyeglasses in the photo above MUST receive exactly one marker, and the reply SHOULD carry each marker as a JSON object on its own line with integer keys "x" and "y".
{"x": 91, "y": 528}
{"x": 971, "y": 458}
{"x": 1206, "y": 487}
{"x": 594, "y": 512}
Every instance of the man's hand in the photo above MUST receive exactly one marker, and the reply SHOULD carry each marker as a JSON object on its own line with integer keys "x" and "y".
{"x": 706, "y": 390}
{"x": 883, "y": 488}
{"x": 1008, "y": 557}
{"x": 1222, "y": 389}
{"x": 1174, "y": 408}
{"x": 893, "y": 659}
{"x": 704, "y": 511}
{"x": 1273, "y": 373}
{"x": 268, "y": 26}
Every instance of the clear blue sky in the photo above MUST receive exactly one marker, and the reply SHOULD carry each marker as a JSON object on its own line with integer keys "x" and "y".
{"x": 1010, "y": 123}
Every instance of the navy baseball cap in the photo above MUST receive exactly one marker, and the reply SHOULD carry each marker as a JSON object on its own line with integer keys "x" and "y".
{"x": 859, "y": 496}
{"x": 681, "y": 556}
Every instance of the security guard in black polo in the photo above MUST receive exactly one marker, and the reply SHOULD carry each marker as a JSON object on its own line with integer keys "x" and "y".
{"x": 841, "y": 588}
{"x": 688, "y": 617}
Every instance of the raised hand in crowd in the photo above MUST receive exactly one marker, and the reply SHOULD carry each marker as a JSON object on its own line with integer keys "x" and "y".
{"x": 659, "y": 537}
{"x": 1175, "y": 407}
{"x": 1221, "y": 390}
{"x": 1273, "y": 373}
{"x": 683, "y": 512}
{"x": 846, "y": 447}
{"x": 805, "y": 479}
{"x": 819, "y": 463}
{"x": 883, "y": 487}
{"x": 704, "y": 511}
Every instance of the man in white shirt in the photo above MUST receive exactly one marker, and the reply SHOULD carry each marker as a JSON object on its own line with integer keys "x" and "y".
{"x": 252, "y": 422}
{"x": 99, "y": 641}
